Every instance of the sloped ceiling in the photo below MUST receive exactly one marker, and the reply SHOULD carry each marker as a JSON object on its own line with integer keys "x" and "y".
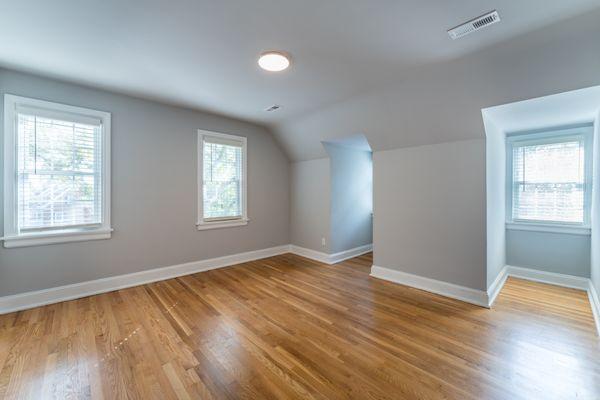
{"x": 443, "y": 102}
{"x": 202, "y": 54}
{"x": 356, "y": 142}
{"x": 563, "y": 109}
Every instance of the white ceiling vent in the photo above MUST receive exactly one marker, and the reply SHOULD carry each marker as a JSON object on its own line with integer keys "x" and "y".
{"x": 274, "y": 107}
{"x": 474, "y": 25}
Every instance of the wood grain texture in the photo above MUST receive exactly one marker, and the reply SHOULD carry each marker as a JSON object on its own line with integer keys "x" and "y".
{"x": 290, "y": 328}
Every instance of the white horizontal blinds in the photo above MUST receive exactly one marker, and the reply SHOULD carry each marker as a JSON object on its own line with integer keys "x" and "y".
{"x": 222, "y": 178}
{"x": 549, "y": 181}
{"x": 58, "y": 171}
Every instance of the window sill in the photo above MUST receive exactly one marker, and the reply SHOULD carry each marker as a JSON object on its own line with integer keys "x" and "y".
{"x": 571, "y": 230}
{"x": 202, "y": 226}
{"x": 63, "y": 236}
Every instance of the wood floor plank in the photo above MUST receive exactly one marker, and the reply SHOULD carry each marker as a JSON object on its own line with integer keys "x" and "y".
{"x": 287, "y": 327}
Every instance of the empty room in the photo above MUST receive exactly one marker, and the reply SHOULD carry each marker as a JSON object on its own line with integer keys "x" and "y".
{"x": 365, "y": 199}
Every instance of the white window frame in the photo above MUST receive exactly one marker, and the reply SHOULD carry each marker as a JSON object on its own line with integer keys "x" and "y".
{"x": 12, "y": 236}
{"x": 552, "y": 135}
{"x": 217, "y": 223}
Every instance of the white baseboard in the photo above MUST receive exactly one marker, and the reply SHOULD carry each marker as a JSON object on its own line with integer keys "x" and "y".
{"x": 496, "y": 286}
{"x": 330, "y": 258}
{"x": 309, "y": 253}
{"x": 569, "y": 281}
{"x": 486, "y": 299}
{"x": 469, "y": 295}
{"x": 346, "y": 254}
{"x": 552, "y": 278}
{"x": 595, "y": 304}
{"x": 43, "y": 297}
{"x": 37, "y": 298}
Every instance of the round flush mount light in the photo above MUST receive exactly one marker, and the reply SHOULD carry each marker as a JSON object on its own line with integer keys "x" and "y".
{"x": 274, "y": 61}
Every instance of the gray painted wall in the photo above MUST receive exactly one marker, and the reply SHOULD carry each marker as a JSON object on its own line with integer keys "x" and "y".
{"x": 495, "y": 149}
{"x": 310, "y": 192}
{"x": 351, "y": 197}
{"x": 154, "y": 192}
{"x": 438, "y": 104}
{"x": 429, "y": 204}
{"x": 548, "y": 251}
{"x": 595, "y": 238}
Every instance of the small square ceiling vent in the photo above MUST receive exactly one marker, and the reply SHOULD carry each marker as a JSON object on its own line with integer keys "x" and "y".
{"x": 274, "y": 107}
{"x": 474, "y": 25}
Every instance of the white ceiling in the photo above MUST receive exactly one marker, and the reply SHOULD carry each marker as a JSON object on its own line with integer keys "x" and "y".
{"x": 202, "y": 54}
{"x": 563, "y": 109}
{"x": 356, "y": 142}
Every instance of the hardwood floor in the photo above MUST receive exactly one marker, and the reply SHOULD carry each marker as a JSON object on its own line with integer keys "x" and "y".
{"x": 288, "y": 327}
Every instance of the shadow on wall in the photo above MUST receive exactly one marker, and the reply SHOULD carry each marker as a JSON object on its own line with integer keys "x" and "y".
{"x": 351, "y": 201}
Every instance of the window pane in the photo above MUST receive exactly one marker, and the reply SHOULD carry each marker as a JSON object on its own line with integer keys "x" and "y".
{"x": 59, "y": 177}
{"x": 222, "y": 168}
{"x": 548, "y": 182}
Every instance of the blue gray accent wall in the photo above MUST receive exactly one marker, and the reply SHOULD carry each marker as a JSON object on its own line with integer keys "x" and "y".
{"x": 548, "y": 251}
{"x": 351, "y": 197}
{"x": 595, "y": 238}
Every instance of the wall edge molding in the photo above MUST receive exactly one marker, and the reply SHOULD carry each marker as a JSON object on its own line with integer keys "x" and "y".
{"x": 568, "y": 281}
{"x": 37, "y": 298}
{"x": 27, "y": 300}
{"x": 346, "y": 254}
{"x": 330, "y": 258}
{"x": 310, "y": 253}
{"x": 496, "y": 286}
{"x": 552, "y": 278}
{"x": 595, "y": 304}
{"x": 457, "y": 292}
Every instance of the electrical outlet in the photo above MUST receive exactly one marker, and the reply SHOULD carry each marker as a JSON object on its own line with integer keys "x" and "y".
{"x": 323, "y": 242}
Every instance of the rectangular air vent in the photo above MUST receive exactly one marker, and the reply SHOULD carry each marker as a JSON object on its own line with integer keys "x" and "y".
{"x": 474, "y": 25}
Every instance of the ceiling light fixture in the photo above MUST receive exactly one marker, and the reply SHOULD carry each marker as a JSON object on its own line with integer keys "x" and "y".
{"x": 274, "y": 61}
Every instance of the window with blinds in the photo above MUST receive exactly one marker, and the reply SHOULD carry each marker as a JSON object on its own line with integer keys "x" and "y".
{"x": 223, "y": 177}
{"x": 57, "y": 167}
{"x": 59, "y": 172}
{"x": 550, "y": 180}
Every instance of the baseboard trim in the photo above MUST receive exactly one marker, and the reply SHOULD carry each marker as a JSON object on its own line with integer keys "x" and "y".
{"x": 346, "y": 254}
{"x": 43, "y": 297}
{"x": 24, "y": 301}
{"x": 595, "y": 304}
{"x": 535, "y": 275}
{"x": 569, "y": 281}
{"x": 468, "y": 295}
{"x": 496, "y": 286}
{"x": 330, "y": 258}
{"x": 309, "y": 253}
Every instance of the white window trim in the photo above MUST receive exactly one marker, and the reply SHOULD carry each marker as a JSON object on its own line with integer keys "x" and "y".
{"x": 549, "y": 136}
{"x": 551, "y": 228}
{"x": 218, "y": 223}
{"x": 12, "y": 236}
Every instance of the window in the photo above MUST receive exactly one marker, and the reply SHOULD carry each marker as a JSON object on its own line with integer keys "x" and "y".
{"x": 57, "y": 173}
{"x": 222, "y": 180}
{"x": 550, "y": 179}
